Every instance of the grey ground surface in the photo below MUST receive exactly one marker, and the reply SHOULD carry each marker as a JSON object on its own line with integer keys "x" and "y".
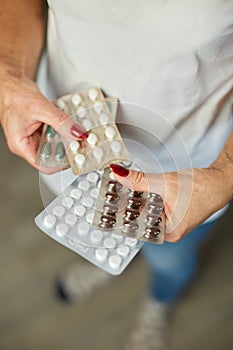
{"x": 32, "y": 318}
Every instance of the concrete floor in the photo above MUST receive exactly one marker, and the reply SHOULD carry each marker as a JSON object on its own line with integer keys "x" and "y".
{"x": 32, "y": 318}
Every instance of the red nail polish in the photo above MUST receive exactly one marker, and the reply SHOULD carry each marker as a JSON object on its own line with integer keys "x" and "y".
{"x": 119, "y": 170}
{"x": 78, "y": 132}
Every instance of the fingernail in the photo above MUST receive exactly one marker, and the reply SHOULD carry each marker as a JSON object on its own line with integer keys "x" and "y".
{"x": 119, "y": 170}
{"x": 79, "y": 132}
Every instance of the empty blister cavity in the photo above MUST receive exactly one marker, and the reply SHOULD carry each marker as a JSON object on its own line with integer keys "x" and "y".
{"x": 83, "y": 228}
{"x": 104, "y": 119}
{"x": 98, "y": 154}
{"x": 116, "y": 148}
{"x": 81, "y": 112}
{"x": 87, "y": 124}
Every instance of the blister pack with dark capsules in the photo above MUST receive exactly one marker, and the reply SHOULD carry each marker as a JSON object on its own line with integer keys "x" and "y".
{"x": 51, "y": 151}
{"x": 134, "y": 214}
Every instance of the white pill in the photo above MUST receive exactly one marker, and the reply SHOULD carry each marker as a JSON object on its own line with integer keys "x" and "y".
{"x": 104, "y": 119}
{"x": 59, "y": 211}
{"x": 74, "y": 146}
{"x": 67, "y": 202}
{"x": 92, "y": 177}
{"x": 88, "y": 202}
{"x": 71, "y": 219}
{"x": 116, "y": 148}
{"x": 109, "y": 243}
{"x": 98, "y": 153}
{"x": 87, "y": 124}
{"x": 93, "y": 94}
{"x": 123, "y": 250}
{"x": 84, "y": 185}
{"x": 62, "y": 229}
{"x": 75, "y": 100}
{"x": 49, "y": 221}
{"x": 132, "y": 242}
{"x": 92, "y": 139}
{"x": 101, "y": 254}
{"x": 76, "y": 193}
{"x": 79, "y": 159}
{"x": 115, "y": 261}
{"x": 98, "y": 106}
{"x": 83, "y": 228}
{"x": 110, "y": 132}
{"x": 81, "y": 112}
{"x": 94, "y": 193}
{"x": 79, "y": 210}
{"x": 61, "y": 104}
{"x": 96, "y": 236}
{"x": 117, "y": 237}
{"x": 90, "y": 217}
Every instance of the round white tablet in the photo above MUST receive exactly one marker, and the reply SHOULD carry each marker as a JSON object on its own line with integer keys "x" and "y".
{"x": 59, "y": 211}
{"x": 109, "y": 243}
{"x": 87, "y": 124}
{"x": 94, "y": 193}
{"x": 49, "y": 221}
{"x": 116, "y": 148}
{"x": 61, "y": 104}
{"x": 75, "y": 100}
{"x": 101, "y": 254}
{"x": 115, "y": 261}
{"x": 92, "y": 139}
{"x": 79, "y": 210}
{"x": 132, "y": 242}
{"x": 62, "y": 229}
{"x": 98, "y": 106}
{"x": 67, "y": 202}
{"x": 93, "y": 93}
{"x": 71, "y": 219}
{"x": 81, "y": 112}
{"x": 119, "y": 238}
{"x": 104, "y": 119}
{"x": 123, "y": 250}
{"x": 88, "y": 202}
{"x": 98, "y": 153}
{"x": 83, "y": 228}
{"x": 76, "y": 193}
{"x": 110, "y": 132}
{"x": 74, "y": 146}
{"x": 79, "y": 159}
{"x": 92, "y": 177}
{"x": 84, "y": 185}
{"x": 90, "y": 217}
{"x": 96, "y": 236}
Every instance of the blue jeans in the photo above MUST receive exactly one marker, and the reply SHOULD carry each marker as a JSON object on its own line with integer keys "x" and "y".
{"x": 173, "y": 265}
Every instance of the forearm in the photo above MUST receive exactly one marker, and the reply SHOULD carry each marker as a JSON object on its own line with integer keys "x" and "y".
{"x": 22, "y": 31}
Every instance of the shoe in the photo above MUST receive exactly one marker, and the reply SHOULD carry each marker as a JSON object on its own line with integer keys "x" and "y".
{"x": 151, "y": 327}
{"x": 78, "y": 280}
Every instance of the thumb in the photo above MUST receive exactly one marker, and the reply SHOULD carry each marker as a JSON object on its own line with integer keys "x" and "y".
{"x": 63, "y": 123}
{"x": 138, "y": 180}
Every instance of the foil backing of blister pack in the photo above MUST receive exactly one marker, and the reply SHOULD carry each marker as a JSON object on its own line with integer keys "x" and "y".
{"x": 68, "y": 219}
{"x": 51, "y": 151}
{"x": 129, "y": 213}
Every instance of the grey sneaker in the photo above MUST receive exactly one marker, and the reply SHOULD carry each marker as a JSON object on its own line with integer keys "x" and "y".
{"x": 78, "y": 280}
{"x": 151, "y": 327}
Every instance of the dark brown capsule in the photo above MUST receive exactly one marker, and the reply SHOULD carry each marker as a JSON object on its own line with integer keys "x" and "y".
{"x": 153, "y": 220}
{"x": 131, "y": 214}
{"x": 152, "y": 233}
{"x": 155, "y": 197}
{"x": 107, "y": 221}
{"x": 133, "y": 203}
{"x": 112, "y": 197}
{"x": 109, "y": 210}
{"x": 135, "y": 194}
{"x": 155, "y": 208}
{"x": 114, "y": 186}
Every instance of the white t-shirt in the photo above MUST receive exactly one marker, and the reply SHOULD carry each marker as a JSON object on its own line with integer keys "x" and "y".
{"x": 170, "y": 62}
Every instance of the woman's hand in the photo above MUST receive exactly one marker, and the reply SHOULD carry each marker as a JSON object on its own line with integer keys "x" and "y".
{"x": 23, "y": 111}
{"x": 190, "y": 196}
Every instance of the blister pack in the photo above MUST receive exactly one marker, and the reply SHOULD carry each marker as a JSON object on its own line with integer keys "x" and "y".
{"x": 104, "y": 143}
{"x": 134, "y": 214}
{"x": 51, "y": 151}
{"x": 68, "y": 220}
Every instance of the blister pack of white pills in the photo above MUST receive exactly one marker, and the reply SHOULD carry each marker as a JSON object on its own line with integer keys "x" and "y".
{"x": 103, "y": 144}
{"x": 51, "y": 151}
{"x": 68, "y": 220}
{"x": 127, "y": 212}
